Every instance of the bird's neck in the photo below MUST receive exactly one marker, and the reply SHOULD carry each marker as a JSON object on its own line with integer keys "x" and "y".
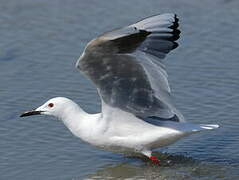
{"x": 79, "y": 122}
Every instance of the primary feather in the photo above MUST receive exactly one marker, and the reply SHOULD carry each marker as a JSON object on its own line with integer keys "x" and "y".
{"x": 127, "y": 68}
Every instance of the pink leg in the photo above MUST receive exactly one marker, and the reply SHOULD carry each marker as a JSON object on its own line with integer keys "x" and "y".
{"x": 154, "y": 160}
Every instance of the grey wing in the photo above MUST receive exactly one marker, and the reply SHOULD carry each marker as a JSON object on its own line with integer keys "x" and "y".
{"x": 126, "y": 66}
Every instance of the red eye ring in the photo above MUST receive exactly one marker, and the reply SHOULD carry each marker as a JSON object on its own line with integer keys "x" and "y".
{"x": 50, "y": 105}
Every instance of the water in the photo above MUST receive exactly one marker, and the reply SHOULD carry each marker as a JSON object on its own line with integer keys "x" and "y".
{"x": 40, "y": 43}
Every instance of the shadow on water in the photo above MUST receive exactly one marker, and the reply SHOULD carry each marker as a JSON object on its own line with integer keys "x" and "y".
{"x": 172, "y": 167}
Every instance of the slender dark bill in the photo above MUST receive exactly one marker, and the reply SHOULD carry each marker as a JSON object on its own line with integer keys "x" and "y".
{"x": 30, "y": 113}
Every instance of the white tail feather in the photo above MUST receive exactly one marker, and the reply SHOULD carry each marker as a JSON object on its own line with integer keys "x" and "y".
{"x": 202, "y": 127}
{"x": 209, "y": 126}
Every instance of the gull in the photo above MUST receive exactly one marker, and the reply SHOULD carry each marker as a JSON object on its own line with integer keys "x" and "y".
{"x": 126, "y": 66}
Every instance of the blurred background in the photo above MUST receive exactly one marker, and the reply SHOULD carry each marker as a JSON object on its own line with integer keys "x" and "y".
{"x": 40, "y": 42}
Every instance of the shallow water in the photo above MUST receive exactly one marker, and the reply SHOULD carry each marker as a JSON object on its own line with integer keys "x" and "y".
{"x": 40, "y": 43}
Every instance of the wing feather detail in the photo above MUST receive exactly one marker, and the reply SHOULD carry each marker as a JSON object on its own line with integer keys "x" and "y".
{"x": 126, "y": 66}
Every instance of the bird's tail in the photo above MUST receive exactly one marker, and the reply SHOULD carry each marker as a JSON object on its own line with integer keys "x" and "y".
{"x": 201, "y": 127}
{"x": 190, "y": 128}
{"x": 208, "y": 126}
{"x": 194, "y": 128}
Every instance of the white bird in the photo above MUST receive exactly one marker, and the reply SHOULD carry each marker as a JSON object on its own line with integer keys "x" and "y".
{"x": 127, "y": 69}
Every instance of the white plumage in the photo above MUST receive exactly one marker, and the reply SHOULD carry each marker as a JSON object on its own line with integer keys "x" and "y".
{"x": 126, "y": 66}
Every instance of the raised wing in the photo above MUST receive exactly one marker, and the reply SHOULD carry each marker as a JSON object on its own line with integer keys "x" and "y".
{"x": 126, "y": 66}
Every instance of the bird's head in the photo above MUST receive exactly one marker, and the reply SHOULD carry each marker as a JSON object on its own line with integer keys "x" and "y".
{"x": 56, "y": 107}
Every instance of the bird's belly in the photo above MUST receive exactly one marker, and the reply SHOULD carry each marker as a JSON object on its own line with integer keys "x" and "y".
{"x": 118, "y": 149}
{"x": 109, "y": 144}
{"x": 165, "y": 141}
{"x": 134, "y": 144}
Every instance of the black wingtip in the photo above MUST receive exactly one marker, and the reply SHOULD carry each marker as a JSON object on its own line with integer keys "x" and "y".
{"x": 175, "y": 23}
{"x": 176, "y": 32}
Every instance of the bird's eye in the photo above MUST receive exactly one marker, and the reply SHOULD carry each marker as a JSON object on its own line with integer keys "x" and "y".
{"x": 50, "y": 105}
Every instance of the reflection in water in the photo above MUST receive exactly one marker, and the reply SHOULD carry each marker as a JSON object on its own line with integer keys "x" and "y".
{"x": 172, "y": 167}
